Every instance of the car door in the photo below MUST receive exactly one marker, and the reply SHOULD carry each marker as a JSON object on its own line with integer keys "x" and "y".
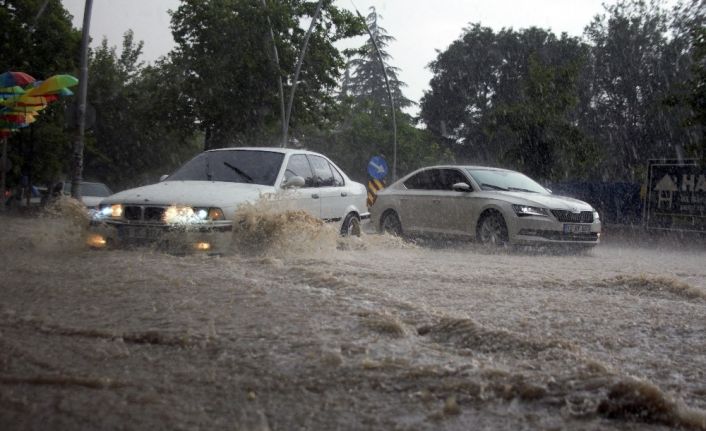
{"x": 306, "y": 197}
{"x": 414, "y": 202}
{"x": 452, "y": 209}
{"x": 330, "y": 190}
{"x": 431, "y": 214}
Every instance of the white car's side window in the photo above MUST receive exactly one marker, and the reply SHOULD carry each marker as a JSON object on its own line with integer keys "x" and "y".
{"x": 337, "y": 177}
{"x": 322, "y": 171}
{"x": 299, "y": 166}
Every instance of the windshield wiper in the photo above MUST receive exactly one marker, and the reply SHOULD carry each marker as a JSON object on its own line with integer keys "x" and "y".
{"x": 238, "y": 171}
{"x": 520, "y": 189}
{"x": 493, "y": 186}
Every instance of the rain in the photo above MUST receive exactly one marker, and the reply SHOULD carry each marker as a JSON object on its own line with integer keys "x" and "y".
{"x": 215, "y": 300}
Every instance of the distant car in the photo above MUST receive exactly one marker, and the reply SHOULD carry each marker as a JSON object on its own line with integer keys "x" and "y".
{"x": 494, "y": 206}
{"x": 91, "y": 193}
{"x": 205, "y": 193}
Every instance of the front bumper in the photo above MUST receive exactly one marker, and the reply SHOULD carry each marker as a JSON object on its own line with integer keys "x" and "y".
{"x": 545, "y": 230}
{"x": 206, "y": 237}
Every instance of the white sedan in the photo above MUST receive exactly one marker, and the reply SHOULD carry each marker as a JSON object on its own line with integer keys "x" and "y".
{"x": 493, "y": 206}
{"x": 204, "y": 194}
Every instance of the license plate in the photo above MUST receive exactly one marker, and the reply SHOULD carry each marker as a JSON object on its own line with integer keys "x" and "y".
{"x": 139, "y": 232}
{"x": 577, "y": 228}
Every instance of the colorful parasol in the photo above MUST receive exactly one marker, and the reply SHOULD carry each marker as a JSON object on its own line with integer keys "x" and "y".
{"x": 19, "y": 106}
{"x": 11, "y": 79}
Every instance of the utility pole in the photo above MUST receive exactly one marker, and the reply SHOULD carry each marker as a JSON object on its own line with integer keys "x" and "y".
{"x": 81, "y": 104}
{"x": 280, "y": 87}
{"x": 296, "y": 73}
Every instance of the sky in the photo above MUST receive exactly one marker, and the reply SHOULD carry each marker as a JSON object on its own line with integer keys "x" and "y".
{"x": 420, "y": 27}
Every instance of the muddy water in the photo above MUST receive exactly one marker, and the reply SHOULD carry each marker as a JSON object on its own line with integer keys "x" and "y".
{"x": 370, "y": 333}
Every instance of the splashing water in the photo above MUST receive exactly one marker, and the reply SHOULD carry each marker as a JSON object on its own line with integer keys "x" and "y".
{"x": 262, "y": 228}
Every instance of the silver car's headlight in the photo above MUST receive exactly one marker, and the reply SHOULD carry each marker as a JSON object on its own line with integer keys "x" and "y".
{"x": 525, "y": 210}
{"x": 596, "y": 217}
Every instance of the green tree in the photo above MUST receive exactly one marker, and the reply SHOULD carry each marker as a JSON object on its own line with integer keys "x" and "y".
{"x": 141, "y": 127}
{"x": 42, "y": 45}
{"x": 697, "y": 98}
{"x": 366, "y": 80}
{"x": 223, "y": 48}
{"x": 364, "y": 127}
{"x": 510, "y": 98}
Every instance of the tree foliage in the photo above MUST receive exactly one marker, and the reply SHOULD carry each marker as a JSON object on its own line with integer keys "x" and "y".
{"x": 366, "y": 79}
{"x": 364, "y": 127}
{"x": 41, "y": 45}
{"x": 508, "y": 98}
{"x": 224, "y": 49}
{"x": 558, "y": 107}
{"x": 140, "y": 125}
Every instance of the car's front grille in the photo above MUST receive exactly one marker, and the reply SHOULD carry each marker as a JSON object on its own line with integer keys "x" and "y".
{"x": 570, "y": 217}
{"x": 132, "y": 213}
{"x": 154, "y": 213}
{"x": 143, "y": 213}
{"x": 560, "y": 236}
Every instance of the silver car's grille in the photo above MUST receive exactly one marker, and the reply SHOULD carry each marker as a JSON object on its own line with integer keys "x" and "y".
{"x": 143, "y": 213}
{"x": 569, "y": 217}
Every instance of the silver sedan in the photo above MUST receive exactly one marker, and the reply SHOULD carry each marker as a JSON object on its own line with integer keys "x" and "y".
{"x": 493, "y": 206}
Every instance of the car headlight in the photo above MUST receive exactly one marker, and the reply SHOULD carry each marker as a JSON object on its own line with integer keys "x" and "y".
{"x": 210, "y": 214}
{"x": 525, "y": 210}
{"x": 185, "y": 214}
{"x": 109, "y": 211}
{"x": 596, "y": 217}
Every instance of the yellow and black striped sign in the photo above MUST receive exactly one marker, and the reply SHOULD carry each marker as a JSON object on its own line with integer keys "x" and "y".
{"x": 374, "y": 186}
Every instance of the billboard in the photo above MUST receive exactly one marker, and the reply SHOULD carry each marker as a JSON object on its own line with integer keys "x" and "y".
{"x": 676, "y": 196}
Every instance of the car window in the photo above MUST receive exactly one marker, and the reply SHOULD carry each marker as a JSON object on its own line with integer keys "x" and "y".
{"x": 299, "y": 166}
{"x": 493, "y": 179}
{"x": 236, "y": 166}
{"x": 419, "y": 181}
{"x": 89, "y": 189}
{"x": 337, "y": 177}
{"x": 449, "y": 177}
{"x": 322, "y": 171}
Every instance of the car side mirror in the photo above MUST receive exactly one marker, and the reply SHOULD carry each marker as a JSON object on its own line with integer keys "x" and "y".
{"x": 461, "y": 187}
{"x": 163, "y": 177}
{"x": 293, "y": 182}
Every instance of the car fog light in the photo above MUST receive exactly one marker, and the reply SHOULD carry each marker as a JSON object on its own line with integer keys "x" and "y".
{"x": 202, "y": 246}
{"x": 96, "y": 241}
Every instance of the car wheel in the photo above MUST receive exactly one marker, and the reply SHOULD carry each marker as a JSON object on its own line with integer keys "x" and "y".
{"x": 351, "y": 225}
{"x": 492, "y": 230}
{"x": 391, "y": 224}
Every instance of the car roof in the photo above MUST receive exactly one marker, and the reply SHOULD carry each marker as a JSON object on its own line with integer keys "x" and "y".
{"x": 489, "y": 168}
{"x": 269, "y": 149}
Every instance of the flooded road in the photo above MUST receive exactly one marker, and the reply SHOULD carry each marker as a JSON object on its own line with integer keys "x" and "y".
{"x": 369, "y": 333}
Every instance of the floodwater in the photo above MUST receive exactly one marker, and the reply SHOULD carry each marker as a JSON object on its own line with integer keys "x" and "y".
{"x": 362, "y": 333}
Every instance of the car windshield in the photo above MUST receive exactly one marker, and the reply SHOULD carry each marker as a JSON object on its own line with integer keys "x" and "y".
{"x": 90, "y": 189}
{"x": 237, "y": 166}
{"x": 491, "y": 179}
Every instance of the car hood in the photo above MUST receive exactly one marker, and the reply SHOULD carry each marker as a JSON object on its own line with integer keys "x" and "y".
{"x": 555, "y": 202}
{"x": 91, "y": 201}
{"x": 194, "y": 193}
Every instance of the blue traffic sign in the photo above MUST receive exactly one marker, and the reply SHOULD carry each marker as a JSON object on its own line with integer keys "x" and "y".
{"x": 377, "y": 167}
